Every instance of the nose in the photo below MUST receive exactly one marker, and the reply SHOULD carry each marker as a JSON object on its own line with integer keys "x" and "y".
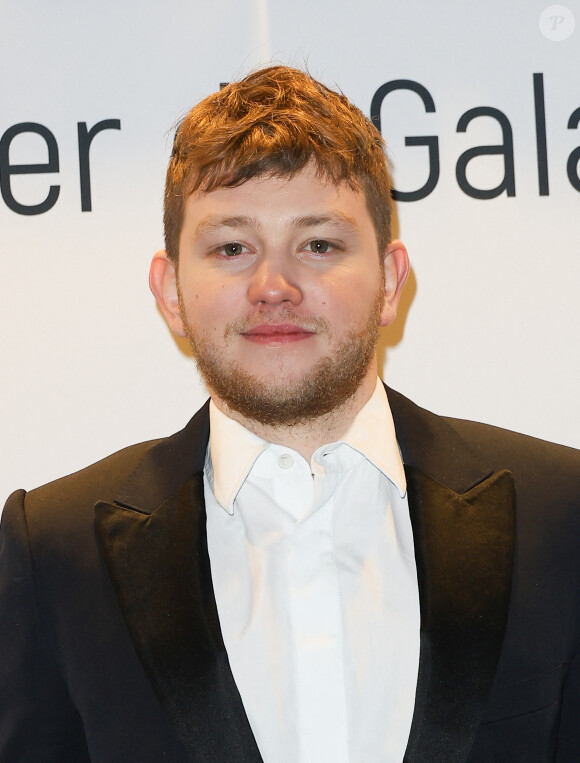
{"x": 272, "y": 283}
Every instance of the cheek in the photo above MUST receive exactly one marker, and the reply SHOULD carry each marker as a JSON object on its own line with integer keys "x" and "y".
{"x": 340, "y": 299}
{"x": 212, "y": 309}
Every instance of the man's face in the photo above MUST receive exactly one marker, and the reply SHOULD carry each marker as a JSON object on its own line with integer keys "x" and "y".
{"x": 281, "y": 292}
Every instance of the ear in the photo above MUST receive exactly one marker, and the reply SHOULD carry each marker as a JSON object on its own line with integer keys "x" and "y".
{"x": 396, "y": 267}
{"x": 163, "y": 284}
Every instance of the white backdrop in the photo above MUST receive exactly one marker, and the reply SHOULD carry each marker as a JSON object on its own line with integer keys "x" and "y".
{"x": 490, "y": 324}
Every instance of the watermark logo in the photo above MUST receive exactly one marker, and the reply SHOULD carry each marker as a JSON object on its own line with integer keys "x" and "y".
{"x": 557, "y": 22}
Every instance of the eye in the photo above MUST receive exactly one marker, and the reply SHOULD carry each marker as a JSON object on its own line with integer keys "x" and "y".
{"x": 319, "y": 246}
{"x": 231, "y": 249}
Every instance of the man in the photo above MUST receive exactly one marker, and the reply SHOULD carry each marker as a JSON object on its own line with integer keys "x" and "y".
{"x": 314, "y": 569}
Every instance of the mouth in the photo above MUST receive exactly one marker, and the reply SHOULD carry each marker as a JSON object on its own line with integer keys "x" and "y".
{"x": 277, "y": 333}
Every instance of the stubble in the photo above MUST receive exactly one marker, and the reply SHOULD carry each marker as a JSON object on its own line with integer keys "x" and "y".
{"x": 286, "y": 402}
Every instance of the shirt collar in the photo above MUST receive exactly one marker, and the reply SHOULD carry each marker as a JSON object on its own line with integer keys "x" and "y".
{"x": 233, "y": 449}
{"x": 372, "y": 433}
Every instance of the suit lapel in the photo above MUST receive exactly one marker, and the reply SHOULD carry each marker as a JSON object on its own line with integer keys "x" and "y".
{"x": 464, "y": 555}
{"x": 462, "y": 518}
{"x": 154, "y": 544}
{"x": 463, "y": 528}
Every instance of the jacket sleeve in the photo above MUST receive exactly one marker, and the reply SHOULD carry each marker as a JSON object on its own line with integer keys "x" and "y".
{"x": 38, "y": 721}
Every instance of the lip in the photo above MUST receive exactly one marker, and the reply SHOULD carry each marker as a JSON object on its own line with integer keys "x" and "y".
{"x": 277, "y": 333}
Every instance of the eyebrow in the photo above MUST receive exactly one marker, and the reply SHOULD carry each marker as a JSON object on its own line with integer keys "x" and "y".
{"x": 214, "y": 222}
{"x": 211, "y": 223}
{"x": 335, "y": 218}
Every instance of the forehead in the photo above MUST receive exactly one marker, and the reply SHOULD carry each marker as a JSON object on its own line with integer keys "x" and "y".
{"x": 274, "y": 200}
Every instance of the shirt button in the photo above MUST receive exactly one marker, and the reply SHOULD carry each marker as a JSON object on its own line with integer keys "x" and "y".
{"x": 285, "y": 461}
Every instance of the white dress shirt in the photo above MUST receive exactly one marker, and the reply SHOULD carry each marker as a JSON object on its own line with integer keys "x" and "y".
{"x": 314, "y": 574}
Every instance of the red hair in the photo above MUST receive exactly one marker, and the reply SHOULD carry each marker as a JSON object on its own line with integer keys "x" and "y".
{"x": 274, "y": 122}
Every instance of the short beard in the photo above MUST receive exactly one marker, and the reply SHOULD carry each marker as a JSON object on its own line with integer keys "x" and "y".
{"x": 327, "y": 387}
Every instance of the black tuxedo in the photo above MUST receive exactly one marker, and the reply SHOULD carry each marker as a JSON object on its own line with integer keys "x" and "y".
{"x": 110, "y": 644}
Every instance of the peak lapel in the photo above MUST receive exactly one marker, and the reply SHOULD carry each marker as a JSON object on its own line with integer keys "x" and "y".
{"x": 158, "y": 561}
{"x": 463, "y": 517}
{"x": 464, "y": 555}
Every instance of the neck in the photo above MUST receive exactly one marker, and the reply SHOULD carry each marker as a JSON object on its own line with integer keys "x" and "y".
{"x": 306, "y": 437}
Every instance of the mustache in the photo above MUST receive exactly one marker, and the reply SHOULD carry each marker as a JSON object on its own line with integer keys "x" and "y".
{"x": 314, "y": 323}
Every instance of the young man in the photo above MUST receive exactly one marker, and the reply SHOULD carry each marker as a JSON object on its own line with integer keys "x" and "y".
{"x": 314, "y": 569}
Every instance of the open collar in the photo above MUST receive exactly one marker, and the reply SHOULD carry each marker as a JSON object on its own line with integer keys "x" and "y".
{"x": 155, "y": 547}
{"x": 233, "y": 449}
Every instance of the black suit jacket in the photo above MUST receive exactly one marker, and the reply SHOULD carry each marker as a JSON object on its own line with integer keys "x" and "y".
{"x": 110, "y": 644}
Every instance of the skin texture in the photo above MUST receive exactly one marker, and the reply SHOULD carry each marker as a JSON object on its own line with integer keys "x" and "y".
{"x": 281, "y": 290}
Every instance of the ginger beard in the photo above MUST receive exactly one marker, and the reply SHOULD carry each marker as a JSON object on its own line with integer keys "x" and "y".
{"x": 281, "y": 403}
